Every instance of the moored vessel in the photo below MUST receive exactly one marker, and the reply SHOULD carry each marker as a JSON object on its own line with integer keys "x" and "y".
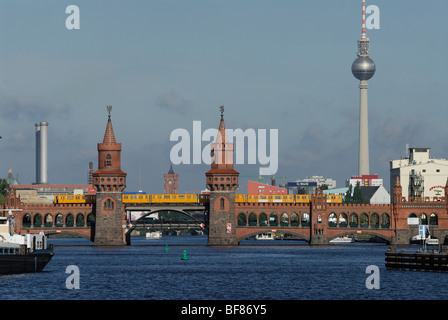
{"x": 22, "y": 253}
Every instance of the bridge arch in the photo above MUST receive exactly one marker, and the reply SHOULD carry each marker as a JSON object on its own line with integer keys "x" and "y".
{"x": 354, "y": 232}
{"x": 299, "y": 236}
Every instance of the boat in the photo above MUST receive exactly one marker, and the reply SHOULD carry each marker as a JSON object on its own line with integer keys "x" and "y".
{"x": 265, "y": 236}
{"x": 22, "y": 253}
{"x": 154, "y": 235}
{"x": 342, "y": 240}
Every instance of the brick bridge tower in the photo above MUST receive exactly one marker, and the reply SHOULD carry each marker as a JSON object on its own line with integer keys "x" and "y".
{"x": 109, "y": 182}
{"x": 319, "y": 223}
{"x": 222, "y": 181}
{"x": 171, "y": 178}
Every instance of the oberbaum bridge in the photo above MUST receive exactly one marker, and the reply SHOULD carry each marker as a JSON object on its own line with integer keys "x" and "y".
{"x": 105, "y": 220}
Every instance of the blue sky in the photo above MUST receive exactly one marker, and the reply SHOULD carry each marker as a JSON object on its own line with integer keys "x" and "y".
{"x": 163, "y": 64}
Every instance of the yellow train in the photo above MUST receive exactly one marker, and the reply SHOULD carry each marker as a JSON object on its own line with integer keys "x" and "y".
{"x": 198, "y": 198}
{"x": 298, "y": 198}
{"x": 135, "y": 198}
{"x": 74, "y": 198}
{"x": 174, "y": 198}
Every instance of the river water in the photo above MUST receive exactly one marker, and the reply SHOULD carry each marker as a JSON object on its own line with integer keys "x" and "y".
{"x": 254, "y": 270}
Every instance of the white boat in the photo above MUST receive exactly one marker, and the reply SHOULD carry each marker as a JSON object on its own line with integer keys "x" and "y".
{"x": 342, "y": 240}
{"x": 265, "y": 236}
{"x": 154, "y": 235}
{"x": 22, "y": 253}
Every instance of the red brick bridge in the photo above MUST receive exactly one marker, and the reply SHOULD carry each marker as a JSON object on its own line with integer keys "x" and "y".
{"x": 317, "y": 222}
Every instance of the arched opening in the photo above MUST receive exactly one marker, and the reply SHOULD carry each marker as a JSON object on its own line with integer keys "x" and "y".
{"x": 37, "y": 221}
{"x": 295, "y": 220}
{"x": 273, "y": 220}
{"x": 26, "y": 221}
{"x": 80, "y": 221}
{"x": 433, "y": 220}
{"x": 343, "y": 221}
{"x": 364, "y": 221}
{"x": 242, "y": 220}
{"x": 353, "y": 220}
{"x": 252, "y": 219}
{"x": 284, "y": 220}
{"x": 305, "y": 220}
{"x": 59, "y": 220}
{"x": 374, "y": 221}
{"x": 423, "y": 219}
{"x": 90, "y": 219}
{"x": 48, "y": 220}
{"x": 332, "y": 220}
{"x": 385, "y": 220}
{"x": 69, "y": 220}
{"x": 263, "y": 220}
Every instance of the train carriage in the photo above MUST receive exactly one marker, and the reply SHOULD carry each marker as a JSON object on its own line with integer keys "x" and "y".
{"x": 135, "y": 198}
{"x": 74, "y": 198}
{"x": 174, "y": 198}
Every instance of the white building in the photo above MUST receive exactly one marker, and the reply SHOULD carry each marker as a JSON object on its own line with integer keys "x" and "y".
{"x": 320, "y": 180}
{"x": 420, "y": 175}
{"x": 370, "y": 180}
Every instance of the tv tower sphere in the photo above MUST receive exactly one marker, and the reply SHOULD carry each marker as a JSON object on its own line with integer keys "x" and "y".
{"x": 363, "y": 68}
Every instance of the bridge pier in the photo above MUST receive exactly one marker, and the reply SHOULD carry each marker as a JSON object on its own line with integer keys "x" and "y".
{"x": 319, "y": 239}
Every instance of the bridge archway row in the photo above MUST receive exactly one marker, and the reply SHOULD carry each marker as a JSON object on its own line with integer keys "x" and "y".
{"x": 358, "y": 220}
{"x": 386, "y": 237}
{"x": 273, "y": 219}
{"x": 57, "y": 220}
{"x": 425, "y": 218}
{"x": 302, "y": 219}
{"x": 158, "y": 210}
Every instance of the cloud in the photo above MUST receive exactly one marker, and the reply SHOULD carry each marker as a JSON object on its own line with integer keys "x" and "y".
{"x": 173, "y": 102}
{"x": 21, "y": 108}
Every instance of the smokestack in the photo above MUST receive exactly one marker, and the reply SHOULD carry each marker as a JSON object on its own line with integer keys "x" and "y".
{"x": 41, "y": 152}
{"x": 37, "y": 125}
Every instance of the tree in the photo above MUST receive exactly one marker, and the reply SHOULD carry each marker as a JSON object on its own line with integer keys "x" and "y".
{"x": 4, "y": 187}
{"x": 357, "y": 194}
{"x": 348, "y": 195}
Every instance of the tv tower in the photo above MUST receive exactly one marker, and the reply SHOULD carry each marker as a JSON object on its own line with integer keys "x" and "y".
{"x": 363, "y": 68}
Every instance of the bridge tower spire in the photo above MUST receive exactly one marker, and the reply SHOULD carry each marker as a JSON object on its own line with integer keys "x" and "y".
{"x": 109, "y": 182}
{"x": 222, "y": 181}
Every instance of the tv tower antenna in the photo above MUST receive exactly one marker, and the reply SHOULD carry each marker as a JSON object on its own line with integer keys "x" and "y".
{"x": 363, "y": 68}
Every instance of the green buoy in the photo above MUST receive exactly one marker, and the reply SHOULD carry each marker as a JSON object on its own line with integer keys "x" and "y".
{"x": 184, "y": 257}
{"x": 166, "y": 247}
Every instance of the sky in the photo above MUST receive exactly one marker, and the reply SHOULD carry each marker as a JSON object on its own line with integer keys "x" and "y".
{"x": 163, "y": 64}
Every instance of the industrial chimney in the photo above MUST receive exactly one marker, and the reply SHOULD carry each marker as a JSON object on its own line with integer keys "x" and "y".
{"x": 41, "y": 152}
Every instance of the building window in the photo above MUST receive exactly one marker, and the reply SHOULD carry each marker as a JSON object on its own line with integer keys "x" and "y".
{"x": 221, "y": 203}
{"x": 109, "y": 205}
{"x": 437, "y": 170}
{"x": 108, "y": 161}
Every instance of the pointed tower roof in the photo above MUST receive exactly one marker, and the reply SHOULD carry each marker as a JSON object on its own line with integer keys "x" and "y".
{"x": 222, "y": 137}
{"x": 109, "y": 136}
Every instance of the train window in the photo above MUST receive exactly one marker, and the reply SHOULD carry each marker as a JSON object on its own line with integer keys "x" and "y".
{"x": 181, "y": 197}
{"x": 166, "y": 197}
{"x": 70, "y": 198}
{"x": 133, "y": 197}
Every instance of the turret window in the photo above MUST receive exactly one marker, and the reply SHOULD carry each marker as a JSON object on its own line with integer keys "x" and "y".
{"x": 221, "y": 204}
{"x": 109, "y": 205}
{"x": 108, "y": 161}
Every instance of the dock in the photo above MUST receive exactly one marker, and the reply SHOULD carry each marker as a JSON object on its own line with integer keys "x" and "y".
{"x": 416, "y": 261}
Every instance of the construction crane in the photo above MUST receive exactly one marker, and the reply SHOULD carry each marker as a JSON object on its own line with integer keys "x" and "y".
{"x": 260, "y": 178}
{"x": 274, "y": 178}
